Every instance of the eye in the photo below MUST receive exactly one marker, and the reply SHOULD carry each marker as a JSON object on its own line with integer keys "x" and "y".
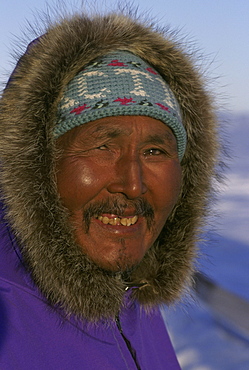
{"x": 102, "y": 147}
{"x": 153, "y": 152}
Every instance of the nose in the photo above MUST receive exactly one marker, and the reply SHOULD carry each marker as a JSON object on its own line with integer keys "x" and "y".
{"x": 128, "y": 177}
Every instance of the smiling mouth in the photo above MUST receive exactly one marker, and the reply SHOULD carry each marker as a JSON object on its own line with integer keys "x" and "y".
{"x": 124, "y": 221}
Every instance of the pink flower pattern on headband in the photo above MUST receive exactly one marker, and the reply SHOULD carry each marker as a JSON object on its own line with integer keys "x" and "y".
{"x": 125, "y": 101}
{"x": 116, "y": 63}
{"x": 79, "y": 109}
{"x": 163, "y": 107}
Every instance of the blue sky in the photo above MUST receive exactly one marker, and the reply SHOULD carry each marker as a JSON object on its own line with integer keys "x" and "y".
{"x": 220, "y": 29}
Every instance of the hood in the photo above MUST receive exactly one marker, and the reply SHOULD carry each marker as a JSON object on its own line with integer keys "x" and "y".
{"x": 27, "y": 146}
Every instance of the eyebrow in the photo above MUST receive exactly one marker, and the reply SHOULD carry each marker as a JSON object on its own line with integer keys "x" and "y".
{"x": 164, "y": 138}
{"x": 107, "y": 132}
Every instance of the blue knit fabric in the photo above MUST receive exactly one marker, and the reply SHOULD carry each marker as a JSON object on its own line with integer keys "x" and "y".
{"x": 118, "y": 84}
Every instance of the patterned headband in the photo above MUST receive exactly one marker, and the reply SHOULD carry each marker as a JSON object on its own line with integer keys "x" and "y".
{"x": 119, "y": 84}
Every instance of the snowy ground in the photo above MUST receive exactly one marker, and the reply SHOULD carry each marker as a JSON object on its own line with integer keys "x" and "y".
{"x": 202, "y": 339}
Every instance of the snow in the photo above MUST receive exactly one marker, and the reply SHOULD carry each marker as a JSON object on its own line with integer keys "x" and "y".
{"x": 204, "y": 340}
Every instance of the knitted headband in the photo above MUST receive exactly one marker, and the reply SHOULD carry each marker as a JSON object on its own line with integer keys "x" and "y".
{"x": 119, "y": 84}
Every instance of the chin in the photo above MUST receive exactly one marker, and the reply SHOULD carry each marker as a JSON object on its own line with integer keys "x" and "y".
{"x": 120, "y": 266}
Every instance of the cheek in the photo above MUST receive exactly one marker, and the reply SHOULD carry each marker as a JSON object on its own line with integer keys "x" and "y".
{"x": 167, "y": 188}
{"x": 76, "y": 183}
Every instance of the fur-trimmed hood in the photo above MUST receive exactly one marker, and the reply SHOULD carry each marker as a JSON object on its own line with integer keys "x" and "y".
{"x": 28, "y": 113}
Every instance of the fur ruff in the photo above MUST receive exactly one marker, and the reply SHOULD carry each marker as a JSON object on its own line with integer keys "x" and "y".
{"x": 28, "y": 112}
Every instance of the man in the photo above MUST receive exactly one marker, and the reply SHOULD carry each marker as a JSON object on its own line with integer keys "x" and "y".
{"x": 108, "y": 146}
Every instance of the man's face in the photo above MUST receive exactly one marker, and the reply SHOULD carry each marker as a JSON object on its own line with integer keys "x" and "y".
{"x": 119, "y": 177}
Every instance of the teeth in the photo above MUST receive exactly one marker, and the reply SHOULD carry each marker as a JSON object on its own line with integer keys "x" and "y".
{"x": 105, "y": 220}
{"x": 123, "y": 221}
{"x": 118, "y": 221}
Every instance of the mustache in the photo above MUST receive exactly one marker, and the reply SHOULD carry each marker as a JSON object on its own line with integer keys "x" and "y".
{"x": 118, "y": 207}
